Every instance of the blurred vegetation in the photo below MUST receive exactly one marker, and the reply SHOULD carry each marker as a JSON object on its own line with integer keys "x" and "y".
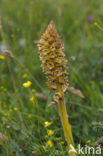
{"x": 79, "y": 23}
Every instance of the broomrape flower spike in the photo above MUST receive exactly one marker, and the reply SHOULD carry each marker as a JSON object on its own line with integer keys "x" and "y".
{"x": 53, "y": 59}
{"x": 51, "y": 50}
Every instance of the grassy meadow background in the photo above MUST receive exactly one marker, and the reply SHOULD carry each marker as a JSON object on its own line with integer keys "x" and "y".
{"x": 24, "y": 111}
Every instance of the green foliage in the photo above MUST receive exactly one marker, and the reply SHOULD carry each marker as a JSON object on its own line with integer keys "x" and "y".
{"x": 22, "y": 128}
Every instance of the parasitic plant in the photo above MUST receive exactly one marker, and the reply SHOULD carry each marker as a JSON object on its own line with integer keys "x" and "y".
{"x": 51, "y": 51}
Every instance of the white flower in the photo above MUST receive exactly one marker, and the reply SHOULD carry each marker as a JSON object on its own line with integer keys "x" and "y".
{"x": 22, "y": 42}
{"x": 3, "y": 47}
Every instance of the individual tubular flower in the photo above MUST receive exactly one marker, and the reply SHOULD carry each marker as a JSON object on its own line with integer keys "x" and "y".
{"x": 52, "y": 55}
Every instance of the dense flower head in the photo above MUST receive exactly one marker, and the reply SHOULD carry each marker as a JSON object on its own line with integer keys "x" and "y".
{"x": 52, "y": 55}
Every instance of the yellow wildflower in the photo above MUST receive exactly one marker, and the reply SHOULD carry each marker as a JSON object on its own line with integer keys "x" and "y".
{"x": 25, "y": 75}
{"x": 33, "y": 90}
{"x": 12, "y": 35}
{"x": 29, "y": 116}
{"x": 15, "y": 109}
{"x": 46, "y": 136}
{"x": 32, "y": 99}
{"x": 10, "y": 106}
{"x": 58, "y": 139}
{"x": 49, "y": 143}
{"x": 50, "y": 132}
{"x": 95, "y": 23}
{"x": 27, "y": 84}
{"x": 2, "y": 57}
{"x": 47, "y": 124}
{"x": 62, "y": 142}
{"x": 10, "y": 110}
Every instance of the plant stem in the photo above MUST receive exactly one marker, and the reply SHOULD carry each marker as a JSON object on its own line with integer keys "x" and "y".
{"x": 64, "y": 120}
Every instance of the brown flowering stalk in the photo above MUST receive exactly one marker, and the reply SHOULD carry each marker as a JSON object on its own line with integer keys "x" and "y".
{"x": 52, "y": 55}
